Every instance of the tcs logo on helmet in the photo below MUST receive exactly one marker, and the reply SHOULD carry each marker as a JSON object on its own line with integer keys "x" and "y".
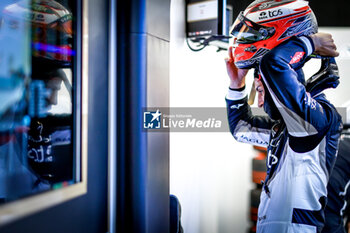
{"x": 270, "y": 14}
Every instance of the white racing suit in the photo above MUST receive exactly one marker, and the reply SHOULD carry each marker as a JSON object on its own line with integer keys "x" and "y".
{"x": 302, "y": 145}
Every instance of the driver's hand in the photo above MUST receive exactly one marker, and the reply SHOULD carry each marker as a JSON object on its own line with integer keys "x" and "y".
{"x": 324, "y": 44}
{"x": 237, "y": 76}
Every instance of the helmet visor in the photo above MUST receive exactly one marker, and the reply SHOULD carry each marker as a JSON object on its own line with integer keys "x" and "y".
{"x": 246, "y": 31}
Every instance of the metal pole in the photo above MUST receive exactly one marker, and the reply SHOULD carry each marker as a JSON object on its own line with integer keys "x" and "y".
{"x": 112, "y": 118}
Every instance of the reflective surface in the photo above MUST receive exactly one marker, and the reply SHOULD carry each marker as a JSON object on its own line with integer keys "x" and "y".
{"x": 37, "y": 80}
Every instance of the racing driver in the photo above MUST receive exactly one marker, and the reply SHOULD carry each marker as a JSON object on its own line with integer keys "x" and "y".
{"x": 302, "y": 129}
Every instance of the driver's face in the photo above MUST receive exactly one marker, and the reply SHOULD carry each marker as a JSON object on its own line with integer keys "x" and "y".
{"x": 261, "y": 92}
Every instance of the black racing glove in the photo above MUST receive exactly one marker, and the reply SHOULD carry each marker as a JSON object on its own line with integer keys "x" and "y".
{"x": 326, "y": 77}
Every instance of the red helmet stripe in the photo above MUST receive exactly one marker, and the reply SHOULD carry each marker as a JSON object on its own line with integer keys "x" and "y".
{"x": 302, "y": 8}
